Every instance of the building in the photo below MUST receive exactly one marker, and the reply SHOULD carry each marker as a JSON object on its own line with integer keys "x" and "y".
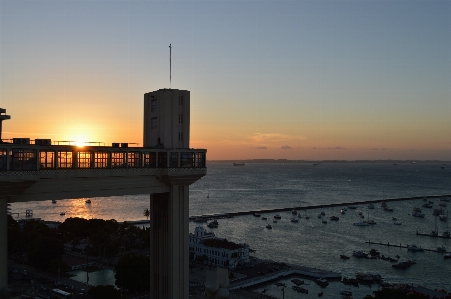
{"x": 219, "y": 252}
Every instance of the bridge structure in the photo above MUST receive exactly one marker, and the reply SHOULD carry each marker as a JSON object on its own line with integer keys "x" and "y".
{"x": 33, "y": 170}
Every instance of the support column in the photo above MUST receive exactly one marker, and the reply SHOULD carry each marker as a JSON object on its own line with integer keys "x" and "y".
{"x": 169, "y": 247}
{"x": 3, "y": 244}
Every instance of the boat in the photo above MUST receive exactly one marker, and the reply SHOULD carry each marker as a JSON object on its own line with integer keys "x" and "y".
{"x": 361, "y": 223}
{"x": 256, "y": 214}
{"x": 334, "y": 218}
{"x": 213, "y": 224}
{"x": 442, "y": 217}
{"x": 277, "y": 216}
{"x": 447, "y": 256}
{"x": 268, "y": 226}
{"x": 418, "y": 214}
{"x": 307, "y": 217}
{"x": 63, "y": 213}
{"x": 344, "y": 257}
{"x": 345, "y": 293}
{"x": 445, "y": 199}
{"x": 322, "y": 282}
{"x": 323, "y": 213}
{"x": 414, "y": 247}
{"x": 394, "y": 218}
{"x": 352, "y": 207}
{"x": 446, "y": 234}
{"x": 359, "y": 253}
{"x": 371, "y": 222}
{"x": 442, "y": 204}
{"x": 320, "y": 294}
{"x": 417, "y": 210}
{"x": 274, "y": 221}
{"x": 324, "y": 221}
{"x": 370, "y": 206}
{"x": 53, "y": 201}
{"x": 264, "y": 218}
{"x": 397, "y": 223}
{"x": 299, "y": 215}
{"x": 88, "y": 201}
{"x": 437, "y": 212}
{"x": 319, "y": 215}
{"x": 427, "y": 205}
{"x": 342, "y": 211}
{"x": 294, "y": 212}
{"x": 239, "y": 164}
{"x": 441, "y": 249}
{"x": 388, "y": 209}
{"x": 294, "y": 220}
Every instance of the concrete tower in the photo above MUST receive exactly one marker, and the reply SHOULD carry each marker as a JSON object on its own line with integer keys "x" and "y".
{"x": 2, "y": 118}
{"x": 166, "y": 118}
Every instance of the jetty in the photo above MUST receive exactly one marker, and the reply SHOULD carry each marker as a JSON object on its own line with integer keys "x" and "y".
{"x": 312, "y": 207}
{"x": 294, "y": 270}
{"x": 433, "y": 236}
{"x": 402, "y": 246}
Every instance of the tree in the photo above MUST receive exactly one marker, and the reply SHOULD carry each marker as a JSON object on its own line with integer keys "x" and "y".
{"x": 104, "y": 292}
{"x": 133, "y": 273}
{"x": 147, "y": 213}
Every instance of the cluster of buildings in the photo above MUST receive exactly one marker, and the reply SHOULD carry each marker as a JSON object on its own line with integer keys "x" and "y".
{"x": 216, "y": 251}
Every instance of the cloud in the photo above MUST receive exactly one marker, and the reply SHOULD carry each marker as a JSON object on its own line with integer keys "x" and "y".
{"x": 261, "y": 147}
{"x": 330, "y": 148}
{"x": 286, "y": 147}
{"x": 274, "y": 137}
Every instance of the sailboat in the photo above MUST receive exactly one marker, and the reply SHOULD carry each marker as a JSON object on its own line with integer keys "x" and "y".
{"x": 435, "y": 231}
{"x": 369, "y": 221}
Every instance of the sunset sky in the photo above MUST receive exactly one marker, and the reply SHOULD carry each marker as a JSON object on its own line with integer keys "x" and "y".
{"x": 268, "y": 79}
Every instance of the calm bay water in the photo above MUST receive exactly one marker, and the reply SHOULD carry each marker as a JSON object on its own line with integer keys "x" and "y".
{"x": 308, "y": 242}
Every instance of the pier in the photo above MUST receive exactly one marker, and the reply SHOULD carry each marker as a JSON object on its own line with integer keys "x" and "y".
{"x": 403, "y": 246}
{"x": 312, "y": 207}
{"x": 433, "y": 236}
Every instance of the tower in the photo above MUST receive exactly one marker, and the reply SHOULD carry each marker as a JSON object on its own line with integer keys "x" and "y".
{"x": 2, "y": 118}
{"x": 167, "y": 118}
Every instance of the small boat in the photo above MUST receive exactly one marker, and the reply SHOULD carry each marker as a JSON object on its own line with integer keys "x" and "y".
{"x": 334, "y": 218}
{"x": 394, "y": 218}
{"x": 299, "y": 215}
{"x": 264, "y": 218}
{"x": 322, "y": 282}
{"x": 320, "y": 294}
{"x": 274, "y": 221}
{"x": 352, "y": 207}
{"x": 414, "y": 247}
{"x": 371, "y": 206}
{"x": 344, "y": 257}
{"x": 388, "y": 209}
{"x": 345, "y": 293}
{"x": 53, "y": 201}
{"x": 397, "y": 223}
{"x": 307, "y": 217}
{"x": 239, "y": 164}
{"x": 63, "y": 213}
{"x": 446, "y": 234}
{"x": 447, "y": 256}
{"x": 294, "y": 212}
{"x": 427, "y": 205}
{"x": 294, "y": 220}
{"x": 256, "y": 214}
{"x": 342, "y": 211}
{"x": 324, "y": 221}
{"x": 361, "y": 223}
{"x": 88, "y": 201}
{"x": 441, "y": 249}
{"x": 213, "y": 224}
{"x": 371, "y": 222}
{"x": 268, "y": 226}
{"x": 418, "y": 214}
{"x": 323, "y": 213}
{"x": 277, "y": 216}
{"x": 359, "y": 253}
{"x": 319, "y": 215}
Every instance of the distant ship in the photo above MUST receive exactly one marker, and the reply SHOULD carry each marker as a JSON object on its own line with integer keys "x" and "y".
{"x": 239, "y": 164}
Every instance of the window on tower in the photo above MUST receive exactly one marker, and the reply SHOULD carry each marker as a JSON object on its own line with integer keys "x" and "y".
{"x": 153, "y": 123}
{"x": 153, "y": 105}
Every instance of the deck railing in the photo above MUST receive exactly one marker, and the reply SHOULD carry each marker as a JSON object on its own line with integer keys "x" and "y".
{"x": 16, "y": 157}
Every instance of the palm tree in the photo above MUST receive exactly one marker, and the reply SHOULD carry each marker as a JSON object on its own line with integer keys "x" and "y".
{"x": 147, "y": 213}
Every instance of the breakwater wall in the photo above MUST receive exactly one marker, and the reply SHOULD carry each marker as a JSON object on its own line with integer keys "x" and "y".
{"x": 312, "y": 207}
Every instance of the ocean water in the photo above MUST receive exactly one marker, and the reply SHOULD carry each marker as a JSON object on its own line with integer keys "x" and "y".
{"x": 228, "y": 188}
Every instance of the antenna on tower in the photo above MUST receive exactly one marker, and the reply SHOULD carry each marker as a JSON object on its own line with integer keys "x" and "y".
{"x": 170, "y": 75}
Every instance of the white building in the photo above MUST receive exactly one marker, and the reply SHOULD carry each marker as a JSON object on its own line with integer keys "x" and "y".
{"x": 219, "y": 252}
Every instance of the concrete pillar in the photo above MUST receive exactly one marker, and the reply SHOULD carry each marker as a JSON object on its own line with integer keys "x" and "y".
{"x": 3, "y": 244}
{"x": 169, "y": 247}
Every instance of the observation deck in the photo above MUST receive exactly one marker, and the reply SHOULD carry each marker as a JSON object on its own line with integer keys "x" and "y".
{"x": 45, "y": 172}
